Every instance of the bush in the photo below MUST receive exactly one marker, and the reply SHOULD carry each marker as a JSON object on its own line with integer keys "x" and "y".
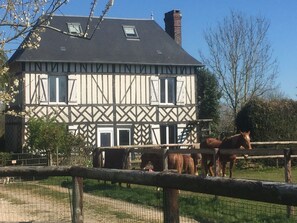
{"x": 46, "y": 136}
{"x": 4, "y": 158}
{"x": 269, "y": 120}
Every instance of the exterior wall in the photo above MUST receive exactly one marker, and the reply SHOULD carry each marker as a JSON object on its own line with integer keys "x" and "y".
{"x": 113, "y": 96}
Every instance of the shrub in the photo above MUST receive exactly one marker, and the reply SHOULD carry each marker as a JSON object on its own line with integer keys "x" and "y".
{"x": 269, "y": 120}
{"x": 46, "y": 136}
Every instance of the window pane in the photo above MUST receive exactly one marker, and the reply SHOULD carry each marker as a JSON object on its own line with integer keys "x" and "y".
{"x": 74, "y": 28}
{"x": 62, "y": 89}
{"x": 162, "y": 91}
{"x": 163, "y": 136}
{"x": 105, "y": 139}
{"x": 130, "y": 32}
{"x": 171, "y": 90}
{"x": 52, "y": 88}
{"x": 124, "y": 137}
{"x": 172, "y": 133}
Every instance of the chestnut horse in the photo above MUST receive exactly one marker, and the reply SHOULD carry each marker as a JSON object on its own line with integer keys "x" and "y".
{"x": 209, "y": 143}
{"x": 189, "y": 165}
{"x": 239, "y": 141}
{"x": 176, "y": 161}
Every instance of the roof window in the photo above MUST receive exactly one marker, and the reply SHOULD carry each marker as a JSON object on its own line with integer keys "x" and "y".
{"x": 130, "y": 32}
{"x": 74, "y": 28}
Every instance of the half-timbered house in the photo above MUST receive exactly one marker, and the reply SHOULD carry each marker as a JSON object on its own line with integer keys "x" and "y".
{"x": 131, "y": 83}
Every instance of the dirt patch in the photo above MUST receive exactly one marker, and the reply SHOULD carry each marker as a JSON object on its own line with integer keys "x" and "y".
{"x": 20, "y": 204}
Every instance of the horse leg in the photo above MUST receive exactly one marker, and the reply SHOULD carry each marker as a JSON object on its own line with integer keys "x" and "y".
{"x": 231, "y": 168}
{"x": 224, "y": 168}
{"x": 210, "y": 168}
{"x": 192, "y": 168}
{"x": 205, "y": 166}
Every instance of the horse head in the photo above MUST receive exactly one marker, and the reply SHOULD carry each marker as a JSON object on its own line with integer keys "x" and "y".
{"x": 245, "y": 140}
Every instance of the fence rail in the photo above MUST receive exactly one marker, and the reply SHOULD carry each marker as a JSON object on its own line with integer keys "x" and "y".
{"x": 271, "y": 192}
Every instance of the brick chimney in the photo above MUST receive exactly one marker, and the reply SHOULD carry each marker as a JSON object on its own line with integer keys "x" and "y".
{"x": 173, "y": 25}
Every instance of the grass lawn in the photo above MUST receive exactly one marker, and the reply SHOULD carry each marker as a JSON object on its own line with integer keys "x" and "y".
{"x": 267, "y": 174}
{"x": 201, "y": 207}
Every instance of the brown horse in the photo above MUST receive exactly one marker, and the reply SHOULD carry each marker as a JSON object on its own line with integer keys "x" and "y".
{"x": 188, "y": 165}
{"x": 209, "y": 143}
{"x": 176, "y": 162}
{"x": 196, "y": 157}
{"x": 239, "y": 141}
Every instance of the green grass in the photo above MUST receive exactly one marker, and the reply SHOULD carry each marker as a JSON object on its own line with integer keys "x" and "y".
{"x": 201, "y": 207}
{"x": 265, "y": 174}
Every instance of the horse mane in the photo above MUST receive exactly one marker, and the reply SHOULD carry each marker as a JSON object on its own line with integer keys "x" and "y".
{"x": 230, "y": 142}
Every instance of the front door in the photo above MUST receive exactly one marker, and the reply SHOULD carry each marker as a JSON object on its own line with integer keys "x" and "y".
{"x": 104, "y": 139}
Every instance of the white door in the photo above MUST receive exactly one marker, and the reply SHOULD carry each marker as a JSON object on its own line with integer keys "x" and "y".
{"x": 104, "y": 139}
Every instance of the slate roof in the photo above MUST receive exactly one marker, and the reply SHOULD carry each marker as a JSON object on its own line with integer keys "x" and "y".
{"x": 108, "y": 45}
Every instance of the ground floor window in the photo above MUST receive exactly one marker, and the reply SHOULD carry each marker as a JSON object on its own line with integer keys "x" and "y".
{"x": 105, "y": 137}
{"x": 124, "y": 136}
{"x": 168, "y": 134}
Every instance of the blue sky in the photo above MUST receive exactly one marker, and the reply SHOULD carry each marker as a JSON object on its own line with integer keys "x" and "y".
{"x": 199, "y": 15}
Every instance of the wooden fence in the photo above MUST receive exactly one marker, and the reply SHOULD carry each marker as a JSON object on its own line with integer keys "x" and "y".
{"x": 258, "y": 153}
{"x": 272, "y": 192}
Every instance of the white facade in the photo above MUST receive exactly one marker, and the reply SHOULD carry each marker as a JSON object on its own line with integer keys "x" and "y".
{"x": 92, "y": 98}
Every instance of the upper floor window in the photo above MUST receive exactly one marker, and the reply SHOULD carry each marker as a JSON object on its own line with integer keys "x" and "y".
{"x": 57, "y": 89}
{"x": 130, "y": 32}
{"x": 74, "y": 28}
{"x": 168, "y": 90}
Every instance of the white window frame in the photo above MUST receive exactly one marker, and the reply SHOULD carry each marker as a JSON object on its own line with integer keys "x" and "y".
{"x": 105, "y": 130}
{"x": 166, "y": 90}
{"x": 118, "y": 135}
{"x": 57, "y": 93}
{"x": 72, "y": 89}
{"x": 167, "y": 133}
{"x": 74, "y": 28}
{"x": 130, "y": 32}
{"x": 155, "y": 90}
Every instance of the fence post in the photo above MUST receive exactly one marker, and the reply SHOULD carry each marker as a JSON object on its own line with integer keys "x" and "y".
{"x": 165, "y": 158}
{"x": 77, "y": 200}
{"x": 288, "y": 176}
{"x": 170, "y": 205}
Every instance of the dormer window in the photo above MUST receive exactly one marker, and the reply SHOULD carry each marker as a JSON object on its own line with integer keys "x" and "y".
{"x": 130, "y": 32}
{"x": 74, "y": 28}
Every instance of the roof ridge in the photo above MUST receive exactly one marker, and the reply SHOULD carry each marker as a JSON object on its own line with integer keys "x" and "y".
{"x": 117, "y": 18}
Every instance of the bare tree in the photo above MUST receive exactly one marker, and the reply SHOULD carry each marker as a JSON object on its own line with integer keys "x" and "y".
{"x": 240, "y": 55}
{"x": 18, "y": 18}
{"x": 22, "y": 22}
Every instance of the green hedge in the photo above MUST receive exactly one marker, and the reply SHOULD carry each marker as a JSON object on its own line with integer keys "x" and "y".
{"x": 4, "y": 158}
{"x": 274, "y": 120}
